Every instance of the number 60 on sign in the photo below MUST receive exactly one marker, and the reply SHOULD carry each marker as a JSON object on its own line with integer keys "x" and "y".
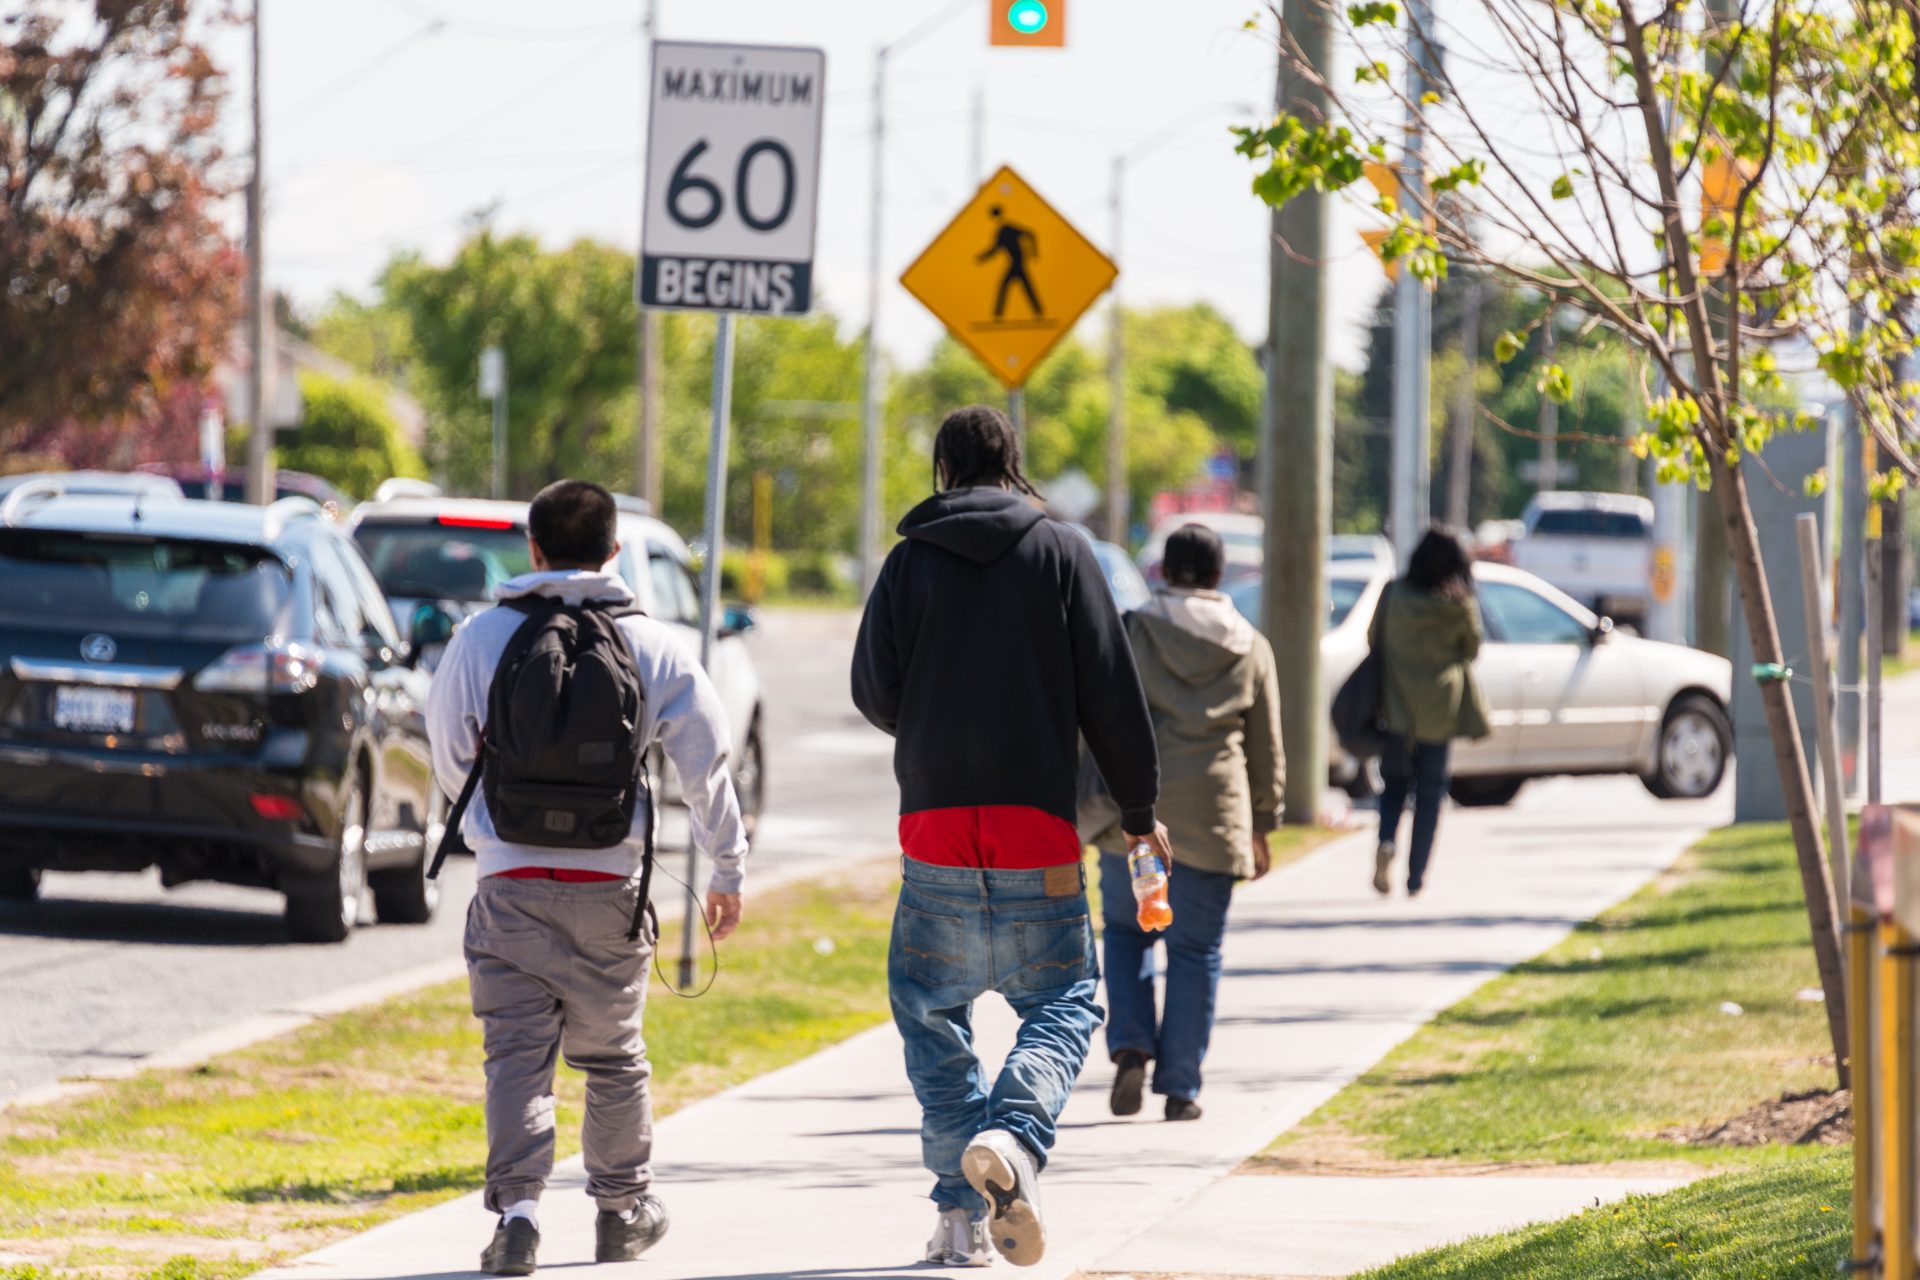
{"x": 733, "y": 178}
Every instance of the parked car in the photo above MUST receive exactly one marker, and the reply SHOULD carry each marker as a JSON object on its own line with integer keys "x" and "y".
{"x": 1566, "y": 693}
{"x": 216, "y": 690}
{"x": 1129, "y": 588}
{"x": 197, "y": 481}
{"x": 1596, "y": 547}
{"x": 97, "y": 483}
{"x": 1242, "y": 535}
{"x": 1367, "y": 548}
{"x": 457, "y": 551}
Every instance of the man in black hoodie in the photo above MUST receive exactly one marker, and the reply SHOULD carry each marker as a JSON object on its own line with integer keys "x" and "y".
{"x": 990, "y": 647}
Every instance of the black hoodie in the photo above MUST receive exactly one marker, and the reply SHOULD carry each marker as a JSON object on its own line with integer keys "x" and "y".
{"x": 990, "y": 646}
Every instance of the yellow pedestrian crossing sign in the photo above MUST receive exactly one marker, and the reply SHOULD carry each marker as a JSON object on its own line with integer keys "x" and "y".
{"x": 1009, "y": 277}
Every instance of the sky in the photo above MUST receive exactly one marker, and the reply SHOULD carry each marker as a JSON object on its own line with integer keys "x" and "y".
{"x": 389, "y": 123}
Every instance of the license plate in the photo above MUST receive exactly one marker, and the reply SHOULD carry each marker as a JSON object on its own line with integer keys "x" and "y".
{"x": 90, "y": 710}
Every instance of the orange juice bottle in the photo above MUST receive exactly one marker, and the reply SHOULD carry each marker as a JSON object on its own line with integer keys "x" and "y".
{"x": 1149, "y": 874}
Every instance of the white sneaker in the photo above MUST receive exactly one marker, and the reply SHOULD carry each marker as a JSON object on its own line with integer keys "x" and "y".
{"x": 959, "y": 1240}
{"x": 1000, "y": 1168}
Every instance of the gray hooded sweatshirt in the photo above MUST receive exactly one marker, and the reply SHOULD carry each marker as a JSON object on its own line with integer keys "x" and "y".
{"x": 682, "y": 713}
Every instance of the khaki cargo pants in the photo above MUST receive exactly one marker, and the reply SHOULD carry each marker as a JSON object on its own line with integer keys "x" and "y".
{"x": 552, "y": 972}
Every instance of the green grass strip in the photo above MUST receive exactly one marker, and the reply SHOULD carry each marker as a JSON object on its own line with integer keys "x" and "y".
{"x": 1617, "y": 1035}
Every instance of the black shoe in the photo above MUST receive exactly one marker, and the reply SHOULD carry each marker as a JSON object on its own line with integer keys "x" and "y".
{"x": 1413, "y": 888}
{"x": 1182, "y": 1109}
{"x": 515, "y": 1242}
{"x": 618, "y": 1239}
{"x": 1130, "y": 1079}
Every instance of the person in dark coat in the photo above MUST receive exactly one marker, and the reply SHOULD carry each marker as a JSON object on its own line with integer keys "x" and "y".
{"x": 989, "y": 648}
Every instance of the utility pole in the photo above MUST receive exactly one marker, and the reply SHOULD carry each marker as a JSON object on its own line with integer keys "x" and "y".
{"x": 1413, "y": 314}
{"x": 1466, "y": 406}
{"x": 259, "y": 318}
{"x": 1549, "y": 478}
{"x": 1297, "y": 435}
{"x": 1850, "y": 590}
{"x": 873, "y": 392}
{"x": 1894, "y": 569}
{"x": 1116, "y": 376}
{"x": 977, "y": 139}
{"x": 646, "y": 440}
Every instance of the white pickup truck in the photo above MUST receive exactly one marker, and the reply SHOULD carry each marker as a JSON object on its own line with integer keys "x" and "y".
{"x": 1596, "y": 547}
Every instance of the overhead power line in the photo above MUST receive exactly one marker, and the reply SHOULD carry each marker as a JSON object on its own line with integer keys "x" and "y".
{"x": 360, "y": 73}
{"x": 513, "y": 30}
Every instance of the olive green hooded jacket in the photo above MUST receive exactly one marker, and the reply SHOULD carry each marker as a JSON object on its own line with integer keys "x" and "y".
{"x": 1215, "y": 700}
{"x": 1429, "y": 642}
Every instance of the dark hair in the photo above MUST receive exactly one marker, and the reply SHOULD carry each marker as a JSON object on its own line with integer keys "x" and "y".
{"x": 1440, "y": 565}
{"x": 572, "y": 522}
{"x": 1195, "y": 557}
{"x": 976, "y": 446}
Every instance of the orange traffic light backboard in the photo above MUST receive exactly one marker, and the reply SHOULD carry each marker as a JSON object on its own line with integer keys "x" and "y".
{"x": 1030, "y": 24}
{"x": 1009, "y": 277}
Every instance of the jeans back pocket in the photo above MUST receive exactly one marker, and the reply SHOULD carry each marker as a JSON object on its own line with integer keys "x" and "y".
{"x": 931, "y": 949}
{"x": 1053, "y": 953}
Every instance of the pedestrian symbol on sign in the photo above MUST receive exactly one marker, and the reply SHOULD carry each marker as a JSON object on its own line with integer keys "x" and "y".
{"x": 1019, "y": 244}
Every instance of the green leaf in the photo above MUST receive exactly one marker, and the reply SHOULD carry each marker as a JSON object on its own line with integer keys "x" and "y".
{"x": 1562, "y": 187}
{"x": 1371, "y": 12}
{"x": 1555, "y": 383}
{"x": 1508, "y": 345}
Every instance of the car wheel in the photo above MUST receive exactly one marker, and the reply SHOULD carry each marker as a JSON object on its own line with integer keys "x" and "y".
{"x": 404, "y": 895}
{"x": 750, "y": 781}
{"x": 1690, "y": 757}
{"x": 19, "y": 884}
{"x": 1484, "y": 793}
{"x": 327, "y": 909}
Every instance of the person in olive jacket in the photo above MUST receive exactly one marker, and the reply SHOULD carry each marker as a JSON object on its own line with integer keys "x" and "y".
{"x": 1427, "y": 630}
{"x": 1215, "y": 700}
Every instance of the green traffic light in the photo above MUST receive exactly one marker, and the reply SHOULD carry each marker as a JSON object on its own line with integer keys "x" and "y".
{"x": 1027, "y": 16}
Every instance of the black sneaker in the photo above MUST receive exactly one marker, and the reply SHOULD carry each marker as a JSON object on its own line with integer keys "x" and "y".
{"x": 515, "y": 1242}
{"x": 1129, "y": 1079}
{"x": 1182, "y": 1109}
{"x": 620, "y": 1239}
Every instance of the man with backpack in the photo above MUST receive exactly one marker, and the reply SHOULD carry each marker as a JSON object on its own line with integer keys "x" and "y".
{"x": 541, "y": 716}
{"x": 990, "y": 646}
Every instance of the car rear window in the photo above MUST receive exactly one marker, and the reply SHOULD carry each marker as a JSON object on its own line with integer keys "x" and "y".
{"x": 1591, "y": 524}
{"x": 179, "y": 586}
{"x": 1342, "y": 595}
{"x": 443, "y": 561}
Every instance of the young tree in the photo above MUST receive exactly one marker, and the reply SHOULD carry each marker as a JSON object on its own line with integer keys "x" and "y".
{"x": 117, "y": 283}
{"x": 1580, "y": 128}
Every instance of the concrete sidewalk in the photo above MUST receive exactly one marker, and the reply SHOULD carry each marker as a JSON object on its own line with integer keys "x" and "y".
{"x": 814, "y": 1170}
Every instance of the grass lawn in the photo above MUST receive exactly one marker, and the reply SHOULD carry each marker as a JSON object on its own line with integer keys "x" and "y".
{"x": 1783, "y": 1222}
{"x": 277, "y": 1149}
{"x": 1892, "y": 666}
{"x": 1591, "y": 1051}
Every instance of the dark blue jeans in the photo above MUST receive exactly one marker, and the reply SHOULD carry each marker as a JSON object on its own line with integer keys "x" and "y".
{"x": 958, "y": 934}
{"x": 1177, "y": 1039}
{"x": 1422, "y": 768}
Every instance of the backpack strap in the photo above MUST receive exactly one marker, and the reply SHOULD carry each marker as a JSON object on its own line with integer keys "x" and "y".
{"x": 643, "y": 907}
{"x": 451, "y": 839}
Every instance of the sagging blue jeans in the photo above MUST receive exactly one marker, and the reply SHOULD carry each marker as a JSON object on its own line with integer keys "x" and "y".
{"x": 958, "y": 934}
{"x": 1422, "y": 768}
{"x": 1177, "y": 1038}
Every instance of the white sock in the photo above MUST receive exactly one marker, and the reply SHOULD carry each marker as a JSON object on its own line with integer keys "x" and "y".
{"x": 523, "y": 1209}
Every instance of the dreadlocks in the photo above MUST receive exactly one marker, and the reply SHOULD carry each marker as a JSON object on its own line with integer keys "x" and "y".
{"x": 976, "y": 446}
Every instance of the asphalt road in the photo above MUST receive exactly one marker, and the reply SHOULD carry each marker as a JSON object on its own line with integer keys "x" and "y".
{"x": 106, "y": 970}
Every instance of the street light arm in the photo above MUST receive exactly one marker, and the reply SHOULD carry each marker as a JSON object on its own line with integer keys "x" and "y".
{"x": 928, "y": 27}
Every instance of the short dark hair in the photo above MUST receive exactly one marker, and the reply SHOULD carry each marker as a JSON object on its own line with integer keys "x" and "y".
{"x": 573, "y": 523}
{"x": 976, "y": 446}
{"x": 1195, "y": 557}
{"x": 1440, "y": 565}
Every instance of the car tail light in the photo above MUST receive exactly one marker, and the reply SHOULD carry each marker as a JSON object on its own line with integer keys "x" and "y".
{"x": 475, "y": 522}
{"x": 276, "y": 808}
{"x": 274, "y": 667}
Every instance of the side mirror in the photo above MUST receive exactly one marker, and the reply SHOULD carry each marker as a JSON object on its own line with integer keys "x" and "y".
{"x": 737, "y": 620}
{"x": 1602, "y": 631}
{"x": 432, "y": 625}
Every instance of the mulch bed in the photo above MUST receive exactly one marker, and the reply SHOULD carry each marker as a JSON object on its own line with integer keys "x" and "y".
{"x": 1816, "y": 1117}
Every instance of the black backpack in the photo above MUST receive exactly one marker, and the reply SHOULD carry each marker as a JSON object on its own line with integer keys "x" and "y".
{"x": 561, "y": 756}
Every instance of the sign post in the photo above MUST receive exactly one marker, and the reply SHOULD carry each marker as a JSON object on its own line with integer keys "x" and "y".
{"x": 733, "y": 193}
{"x": 493, "y": 386}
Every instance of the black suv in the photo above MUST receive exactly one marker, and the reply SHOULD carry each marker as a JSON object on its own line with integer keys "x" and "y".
{"x": 216, "y": 690}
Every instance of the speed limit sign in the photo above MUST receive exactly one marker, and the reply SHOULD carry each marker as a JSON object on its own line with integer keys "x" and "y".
{"x": 733, "y": 177}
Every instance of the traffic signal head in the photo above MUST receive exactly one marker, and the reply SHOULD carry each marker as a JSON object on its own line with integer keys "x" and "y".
{"x": 1029, "y": 23}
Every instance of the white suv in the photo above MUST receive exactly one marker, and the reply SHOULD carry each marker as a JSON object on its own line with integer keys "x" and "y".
{"x": 457, "y": 551}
